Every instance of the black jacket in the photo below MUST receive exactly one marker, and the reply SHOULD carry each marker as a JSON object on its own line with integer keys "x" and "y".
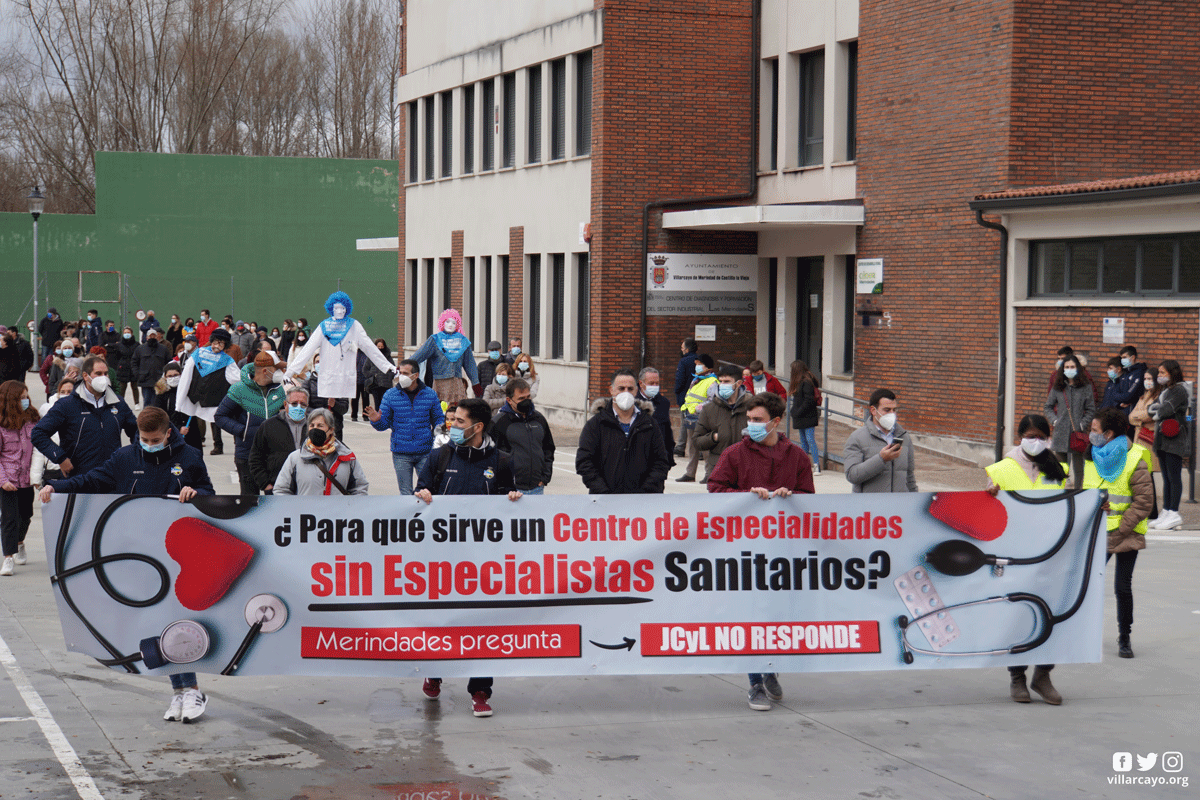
{"x": 612, "y": 463}
{"x": 148, "y": 363}
{"x": 805, "y": 413}
{"x": 662, "y": 416}
{"x": 26, "y": 351}
{"x": 459, "y": 470}
{"x": 10, "y": 364}
{"x": 683, "y": 376}
{"x": 50, "y": 330}
{"x": 88, "y": 435}
{"x": 120, "y": 358}
{"x": 273, "y": 443}
{"x": 529, "y": 441}
{"x": 131, "y": 470}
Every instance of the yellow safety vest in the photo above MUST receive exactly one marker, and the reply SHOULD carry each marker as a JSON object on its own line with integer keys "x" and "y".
{"x": 1120, "y": 493}
{"x": 1010, "y": 476}
{"x": 1145, "y": 454}
{"x": 697, "y": 395}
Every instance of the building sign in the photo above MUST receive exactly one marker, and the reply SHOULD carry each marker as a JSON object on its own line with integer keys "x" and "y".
{"x": 870, "y": 276}
{"x": 706, "y": 333}
{"x": 1113, "y": 330}
{"x": 696, "y": 284}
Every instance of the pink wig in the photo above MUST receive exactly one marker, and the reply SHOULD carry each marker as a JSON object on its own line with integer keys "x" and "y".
{"x": 449, "y": 314}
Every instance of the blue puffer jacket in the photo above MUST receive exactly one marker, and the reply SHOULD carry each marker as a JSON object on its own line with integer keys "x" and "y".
{"x": 444, "y": 367}
{"x": 131, "y": 470}
{"x": 412, "y": 416}
{"x": 89, "y": 435}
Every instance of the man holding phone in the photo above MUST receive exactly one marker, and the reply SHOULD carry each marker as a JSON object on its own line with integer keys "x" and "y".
{"x": 877, "y": 457}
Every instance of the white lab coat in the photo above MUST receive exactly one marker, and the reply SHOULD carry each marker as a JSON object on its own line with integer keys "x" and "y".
{"x": 338, "y": 377}
{"x": 184, "y": 405}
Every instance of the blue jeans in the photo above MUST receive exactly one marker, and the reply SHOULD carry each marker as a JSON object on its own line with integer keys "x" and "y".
{"x": 757, "y": 677}
{"x": 534, "y": 490}
{"x": 808, "y": 440}
{"x": 182, "y": 680}
{"x": 405, "y": 463}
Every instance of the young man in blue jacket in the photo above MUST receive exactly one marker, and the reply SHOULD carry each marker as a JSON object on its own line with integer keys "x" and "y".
{"x": 89, "y": 422}
{"x": 411, "y": 410}
{"x": 470, "y": 464}
{"x": 160, "y": 463}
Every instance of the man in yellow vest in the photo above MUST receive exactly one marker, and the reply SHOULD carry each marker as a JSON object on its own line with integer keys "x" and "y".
{"x": 1030, "y": 466}
{"x": 1123, "y": 471}
{"x": 697, "y": 395}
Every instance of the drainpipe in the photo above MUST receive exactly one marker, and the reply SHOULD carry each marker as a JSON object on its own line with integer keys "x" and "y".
{"x": 1002, "y": 368}
{"x": 755, "y": 25}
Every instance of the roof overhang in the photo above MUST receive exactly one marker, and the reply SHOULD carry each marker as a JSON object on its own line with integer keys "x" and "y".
{"x": 386, "y": 245}
{"x": 766, "y": 218}
{"x": 1049, "y": 200}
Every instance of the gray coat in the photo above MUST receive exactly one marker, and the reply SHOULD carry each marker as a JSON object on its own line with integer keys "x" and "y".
{"x": 1082, "y": 408}
{"x": 301, "y": 475}
{"x": 867, "y": 470}
{"x": 1172, "y": 404}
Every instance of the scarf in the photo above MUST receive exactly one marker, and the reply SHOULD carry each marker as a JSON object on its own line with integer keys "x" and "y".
{"x": 452, "y": 345}
{"x": 1110, "y": 459}
{"x": 208, "y": 362}
{"x": 336, "y": 329}
{"x": 324, "y": 450}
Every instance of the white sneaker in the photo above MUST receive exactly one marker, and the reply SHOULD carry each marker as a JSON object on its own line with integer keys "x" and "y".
{"x": 816, "y": 470}
{"x": 20, "y": 558}
{"x": 175, "y": 710}
{"x": 7, "y": 569}
{"x": 1173, "y": 521}
{"x": 194, "y": 702}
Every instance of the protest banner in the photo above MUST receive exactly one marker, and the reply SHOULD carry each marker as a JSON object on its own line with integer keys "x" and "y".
{"x": 572, "y": 585}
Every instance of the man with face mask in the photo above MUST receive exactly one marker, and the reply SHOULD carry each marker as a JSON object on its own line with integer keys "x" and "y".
{"x": 258, "y": 397}
{"x": 650, "y": 390}
{"x": 242, "y": 336}
{"x": 277, "y": 438}
{"x": 148, "y": 361}
{"x": 723, "y": 418}
{"x": 150, "y": 323}
{"x": 204, "y": 327}
{"x": 89, "y": 422}
{"x": 521, "y": 431}
{"x": 487, "y": 366}
{"x": 878, "y": 457}
{"x": 621, "y": 450}
{"x": 411, "y": 411}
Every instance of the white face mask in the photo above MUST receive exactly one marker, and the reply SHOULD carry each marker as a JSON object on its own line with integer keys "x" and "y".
{"x": 188, "y": 347}
{"x": 624, "y": 401}
{"x": 1148, "y": 384}
{"x": 100, "y": 384}
{"x": 651, "y": 391}
{"x": 404, "y": 381}
{"x": 339, "y": 311}
{"x": 450, "y": 327}
{"x": 172, "y": 381}
{"x": 888, "y": 421}
{"x": 1033, "y": 446}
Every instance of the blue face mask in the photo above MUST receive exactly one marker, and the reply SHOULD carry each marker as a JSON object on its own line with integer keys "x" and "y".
{"x": 1113, "y": 374}
{"x": 701, "y": 369}
{"x": 68, "y": 351}
{"x": 757, "y": 430}
{"x": 24, "y": 403}
{"x": 494, "y": 355}
{"x": 725, "y": 390}
{"x": 1126, "y": 362}
{"x": 458, "y": 435}
{"x": 296, "y": 413}
{"x": 516, "y": 351}
{"x": 501, "y": 379}
{"x": 152, "y": 448}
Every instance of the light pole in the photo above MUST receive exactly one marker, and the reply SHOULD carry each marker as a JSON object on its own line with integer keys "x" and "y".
{"x": 36, "y": 203}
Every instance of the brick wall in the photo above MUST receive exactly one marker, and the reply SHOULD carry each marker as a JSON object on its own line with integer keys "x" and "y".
{"x": 932, "y": 133}
{"x": 671, "y": 88}
{"x": 456, "y": 275}
{"x": 515, "y": 311}
{"x": 1103, "y": 89}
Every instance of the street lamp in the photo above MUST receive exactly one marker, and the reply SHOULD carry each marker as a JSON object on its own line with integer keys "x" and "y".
{"x": 36, "y": 203}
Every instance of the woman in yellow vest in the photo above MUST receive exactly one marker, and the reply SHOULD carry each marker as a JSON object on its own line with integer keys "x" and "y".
{"x": 1121, "y": 470}
{"x": 1030, "y": 466}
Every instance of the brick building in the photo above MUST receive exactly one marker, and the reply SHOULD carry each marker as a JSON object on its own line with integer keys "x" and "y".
{"x": 572, "y": 170}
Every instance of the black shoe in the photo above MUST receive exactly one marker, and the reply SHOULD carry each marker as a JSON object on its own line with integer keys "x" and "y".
{"x": 216, "y": 451}
{"x": 354, "y": 419}
{"x": 679, "y": 452}
{"x": 1123, "y": 648}
{"x": 685, "y": 479}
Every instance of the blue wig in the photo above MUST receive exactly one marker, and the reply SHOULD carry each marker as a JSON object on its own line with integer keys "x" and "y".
{"x": 339, "y": 297}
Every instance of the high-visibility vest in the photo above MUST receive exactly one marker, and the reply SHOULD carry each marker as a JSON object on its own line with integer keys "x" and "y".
{"x": 1120, "y": 493}
{"x": 1010, "y": 476}
{"x": 698, "y": 394}
{"x": 1145, "y": 454}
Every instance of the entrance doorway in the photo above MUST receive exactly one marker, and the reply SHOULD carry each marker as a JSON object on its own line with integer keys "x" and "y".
{"x": 810, "y": 297}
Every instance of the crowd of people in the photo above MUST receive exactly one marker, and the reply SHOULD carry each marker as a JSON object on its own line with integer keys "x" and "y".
{"x": 472, "y": 428}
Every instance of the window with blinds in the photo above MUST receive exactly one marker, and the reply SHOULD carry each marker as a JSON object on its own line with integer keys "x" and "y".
{"x": 471, "y": 321}
{"x": 582, "y": 308}
{"x": 489, "y": 116}
{"x": 413, "y": 298}
{"x": 534, "y": 345}
{"x": 468, "y": 129}
{"x": 558, "y": 110}
{"x": 510, "y": 120}
{"x": 504, "y": 334}
{"x": 583, "y": 103}
{"x": 534, "y": 105}
{"x": 429, "y": 140}
{"x": 447, "y": 134}
{"x": 430, "y": 317}
{"x": 447, "y": 285}
{"x": 558, "y": 294}
{"x": 812, "y": 108}
{"x": 485, "y": 264}
{"x": 413, "y": 153}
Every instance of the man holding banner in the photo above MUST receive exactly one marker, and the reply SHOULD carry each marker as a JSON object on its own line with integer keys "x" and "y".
{"x": 770, "y": 466}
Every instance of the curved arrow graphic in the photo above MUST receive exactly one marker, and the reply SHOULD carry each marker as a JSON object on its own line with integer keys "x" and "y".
{"x": 626, "y": 645}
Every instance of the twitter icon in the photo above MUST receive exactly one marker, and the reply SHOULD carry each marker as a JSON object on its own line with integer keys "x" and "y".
{"x": 1147, "y": 762}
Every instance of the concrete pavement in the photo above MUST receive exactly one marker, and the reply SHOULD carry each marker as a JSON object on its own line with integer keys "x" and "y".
{"x": 898, "y": 734}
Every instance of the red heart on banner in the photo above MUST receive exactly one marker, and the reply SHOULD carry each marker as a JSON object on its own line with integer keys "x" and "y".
{"x": 977, "y": 514}
{"x": 209, "y": 559}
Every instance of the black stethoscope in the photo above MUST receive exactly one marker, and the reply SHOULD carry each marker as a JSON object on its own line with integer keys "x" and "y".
{"x": 957, "y": 558}
{"x": 183, "y": 641}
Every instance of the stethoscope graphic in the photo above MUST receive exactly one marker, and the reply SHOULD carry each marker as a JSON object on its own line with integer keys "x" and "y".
{"x": 956, "y": 557}
{"x": 183, "y": 641}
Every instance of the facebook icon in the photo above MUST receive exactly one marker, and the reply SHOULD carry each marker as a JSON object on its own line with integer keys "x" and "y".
{"x": 1122, "y": 762}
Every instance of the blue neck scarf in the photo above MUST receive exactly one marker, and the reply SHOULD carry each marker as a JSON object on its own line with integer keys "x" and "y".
{"x": 452, "y": 345}
{"x": 1110, "y": 459}
{"x": 208, "y": 362}
{"x": 336, "y": 329}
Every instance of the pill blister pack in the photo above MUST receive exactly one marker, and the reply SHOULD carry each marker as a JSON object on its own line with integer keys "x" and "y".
{"x": 920, "y": 597}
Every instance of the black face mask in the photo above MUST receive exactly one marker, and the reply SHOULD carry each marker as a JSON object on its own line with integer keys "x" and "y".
{"x": 525, "y": 407}
{"x": 152, "y": 342}
{"x": 318, "y": 437}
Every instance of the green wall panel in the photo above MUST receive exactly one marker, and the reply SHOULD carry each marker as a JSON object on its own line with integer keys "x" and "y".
{"x": 67, "y": 243}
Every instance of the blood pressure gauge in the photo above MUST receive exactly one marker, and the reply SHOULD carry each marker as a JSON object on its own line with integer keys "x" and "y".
{"x": 181, "y": 642}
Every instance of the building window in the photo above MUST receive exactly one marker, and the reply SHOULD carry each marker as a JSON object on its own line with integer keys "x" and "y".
{"x": 510, "y": 120}
{"x": 534, "y": 105}
{"x": 472, "y": 320}
{"x": 1151, "y": 265}
{"x": 413, "y": 296}
{"x": 850, "y": 270}
{"x": 504, "y": 334}
{"x": 558, "y": 108}
{"x": 583, "y": 103}
{"x": 534, "y": 345}
{"x": 772, "y": 304}
{"x": 447, "y": 134}
{"x": 812, "y": 108}
{"x": 774, "y": 105}
{"x": 489, "y": 125}
{"x": 413, "y": 153}
{"x": 558, "y": 301}
{"x": 447, "y": 286}
{"x": 486, "y": 266}
{"x": 851, "y": 100}
{"x": 430, "y": 317}
{"x": 582, "y": 309}
{"x": 468, "y": 129}
{"x": 429, "y": 140}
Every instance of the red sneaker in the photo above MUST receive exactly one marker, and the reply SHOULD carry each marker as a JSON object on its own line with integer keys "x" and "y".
{"x": 432, "y": 688}
{"x": 480, "y": 701}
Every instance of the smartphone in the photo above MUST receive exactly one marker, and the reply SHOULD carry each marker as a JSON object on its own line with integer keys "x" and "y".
{"x": 898, "y": 440}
